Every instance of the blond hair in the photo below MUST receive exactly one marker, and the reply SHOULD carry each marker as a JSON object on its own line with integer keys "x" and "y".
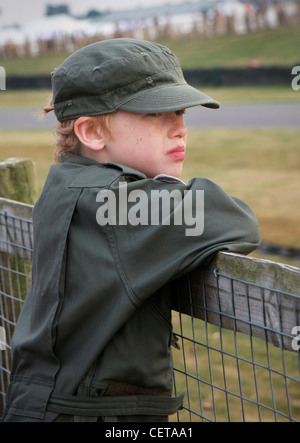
{"x": 65, "y": 137}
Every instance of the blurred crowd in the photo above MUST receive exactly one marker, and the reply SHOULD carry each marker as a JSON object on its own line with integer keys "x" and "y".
{"x": 64, "y": 33}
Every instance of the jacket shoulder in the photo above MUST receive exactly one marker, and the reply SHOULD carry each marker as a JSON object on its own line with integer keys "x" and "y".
{"x": 101, "y": 176}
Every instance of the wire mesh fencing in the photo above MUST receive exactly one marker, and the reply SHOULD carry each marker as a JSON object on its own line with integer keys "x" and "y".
{"x": 15, "y": 278}
{"x": 229, "y": 375}
{"x": 237, "y": 351}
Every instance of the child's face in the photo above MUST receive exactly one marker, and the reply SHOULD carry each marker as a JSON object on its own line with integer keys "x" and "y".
{"x": 151, "y": 143}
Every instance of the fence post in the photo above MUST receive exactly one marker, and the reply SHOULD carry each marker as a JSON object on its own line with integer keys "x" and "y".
{"x": 18, "y": 180}
{"x": 17, "y": 183}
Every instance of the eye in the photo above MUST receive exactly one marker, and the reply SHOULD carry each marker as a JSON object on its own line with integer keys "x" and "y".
{"x": 181, "y": 112}
{"x": 154, "y": 114}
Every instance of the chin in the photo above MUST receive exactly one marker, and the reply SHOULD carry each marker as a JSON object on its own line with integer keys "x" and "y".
{"x": 176, "y": 172}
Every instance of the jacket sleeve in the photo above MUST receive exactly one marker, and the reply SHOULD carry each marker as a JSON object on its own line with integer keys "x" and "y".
{"x": 156, "y": 244}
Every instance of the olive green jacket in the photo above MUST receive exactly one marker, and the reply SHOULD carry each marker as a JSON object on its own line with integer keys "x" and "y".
{"x": 96, "y": 323}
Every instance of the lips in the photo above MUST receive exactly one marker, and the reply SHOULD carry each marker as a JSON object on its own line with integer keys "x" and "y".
{"x": 177, "y": 153}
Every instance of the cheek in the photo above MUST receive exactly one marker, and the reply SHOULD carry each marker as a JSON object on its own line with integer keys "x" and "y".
{"x": 151, "y": 136}
{"x": 139, "y": 141}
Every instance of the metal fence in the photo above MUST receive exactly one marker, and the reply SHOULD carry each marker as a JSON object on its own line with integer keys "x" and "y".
{"x": 237, "y": 354}
{"x": 235, "y": 376}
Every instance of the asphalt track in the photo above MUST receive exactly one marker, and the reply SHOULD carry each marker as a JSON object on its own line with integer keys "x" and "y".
{"x": 239, "y": 116}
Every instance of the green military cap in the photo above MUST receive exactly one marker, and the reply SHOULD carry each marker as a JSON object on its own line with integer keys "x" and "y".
{"x": 129, "y": 74}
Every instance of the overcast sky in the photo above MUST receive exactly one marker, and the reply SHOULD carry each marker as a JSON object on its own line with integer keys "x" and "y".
{"x": 20, "y": 11}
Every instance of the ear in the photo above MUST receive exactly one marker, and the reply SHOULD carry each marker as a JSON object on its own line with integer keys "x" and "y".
{"x": 89, "y": 134}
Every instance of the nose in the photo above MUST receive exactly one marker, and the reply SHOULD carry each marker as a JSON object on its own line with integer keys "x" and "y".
{"x": 177, "y": 126}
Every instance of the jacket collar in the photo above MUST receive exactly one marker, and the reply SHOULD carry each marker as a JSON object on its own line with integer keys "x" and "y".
{"x": 85, "y": 161}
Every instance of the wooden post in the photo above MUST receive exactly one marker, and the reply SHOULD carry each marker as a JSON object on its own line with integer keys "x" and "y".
{"x": 18, "y": 180}
{"x": 17, "y": 186}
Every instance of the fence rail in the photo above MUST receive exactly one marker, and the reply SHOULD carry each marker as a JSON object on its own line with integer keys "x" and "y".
{"x": 237, "y": 322}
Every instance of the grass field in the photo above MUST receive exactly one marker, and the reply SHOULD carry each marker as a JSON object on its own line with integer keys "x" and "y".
{"x": 278, "y": 47}
{"x": 267, "y": 47}
{"x": 259, "y": 166}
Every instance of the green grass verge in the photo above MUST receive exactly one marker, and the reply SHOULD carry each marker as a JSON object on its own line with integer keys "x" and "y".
{"x": 278, "y": 47}
{"x": 259, "y": 166}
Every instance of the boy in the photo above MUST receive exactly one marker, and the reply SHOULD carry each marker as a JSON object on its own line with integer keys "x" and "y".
{"x": 93, "y": 341}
